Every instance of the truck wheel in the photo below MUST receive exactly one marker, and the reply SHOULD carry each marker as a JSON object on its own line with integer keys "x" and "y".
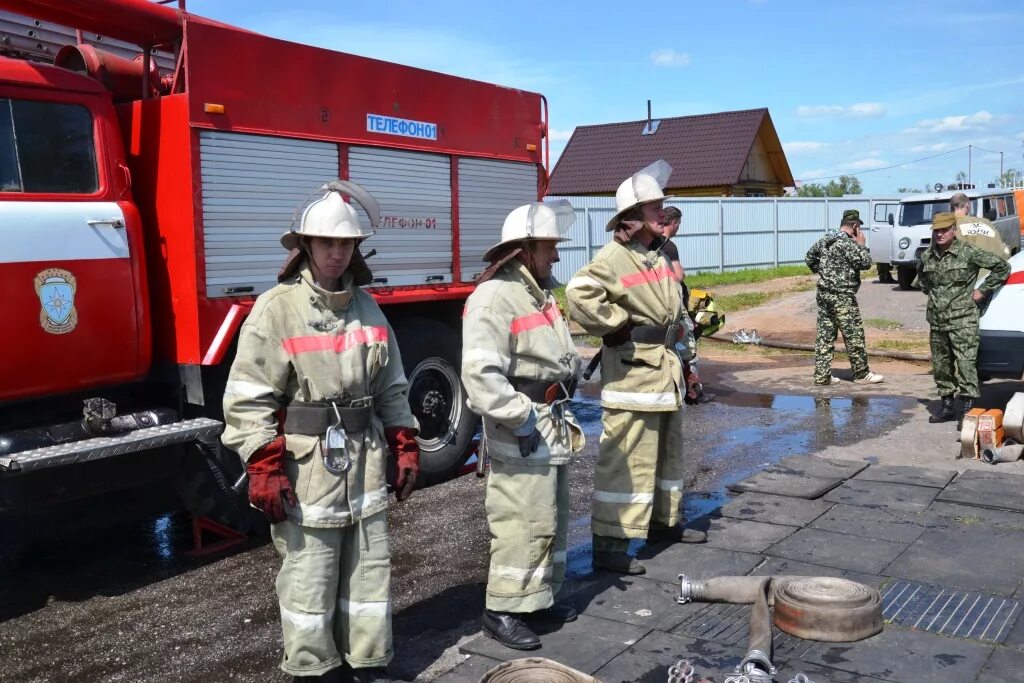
{"x": 905, "y": 276}
{"x": 432, "y": 359}
{"x": 203, "y": 485}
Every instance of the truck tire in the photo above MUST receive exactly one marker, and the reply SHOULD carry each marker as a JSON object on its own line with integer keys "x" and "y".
{"x": 432, "y": 359}
{"x": 203, "y": 484}
{"x": 905, "y": 276}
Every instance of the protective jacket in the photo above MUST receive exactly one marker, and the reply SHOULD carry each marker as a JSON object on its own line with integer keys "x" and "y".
{"x": 948, "y": 278}
{"x": 513, "y": 335}
{"x": 979, "y": 232}
{"x": 624, "y": 286}
{"x": 838, "y": 260}
{"x": 303, "y": 344}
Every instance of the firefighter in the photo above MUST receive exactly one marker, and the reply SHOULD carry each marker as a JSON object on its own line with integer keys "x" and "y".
{"x": 628, "y": 295}
{"x": 315, "y": 396}
{"x": 520, "y": 367}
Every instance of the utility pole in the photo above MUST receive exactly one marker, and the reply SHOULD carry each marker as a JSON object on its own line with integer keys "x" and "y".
{"x": 969, "y": 147}
{"x": 1001, "y": 183}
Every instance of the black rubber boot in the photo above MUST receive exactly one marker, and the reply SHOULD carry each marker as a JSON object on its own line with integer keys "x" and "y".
{"x": 966, "y": 404}
{"x": 946, "y": 412}
{"x": 674, "y": 534}
{"x": 509, "y": 630}
{"x": 618, "y": 562}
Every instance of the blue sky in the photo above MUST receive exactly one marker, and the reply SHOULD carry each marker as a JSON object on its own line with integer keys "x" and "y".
{"x": 851, "y": 86}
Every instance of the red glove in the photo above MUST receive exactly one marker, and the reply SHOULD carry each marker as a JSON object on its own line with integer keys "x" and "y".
{"x": 268, "y": 483}
{"x": 406, "y": 450}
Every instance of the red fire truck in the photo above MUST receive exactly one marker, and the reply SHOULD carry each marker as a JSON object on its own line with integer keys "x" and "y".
{"x": 149, "y": 160}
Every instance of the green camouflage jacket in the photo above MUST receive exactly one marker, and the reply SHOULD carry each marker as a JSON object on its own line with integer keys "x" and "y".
{"x": 948, "y": 279}
{"x": 838, "y": 260}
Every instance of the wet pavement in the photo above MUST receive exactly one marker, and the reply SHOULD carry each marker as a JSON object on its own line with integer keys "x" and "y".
{"x": 119, "y": 600}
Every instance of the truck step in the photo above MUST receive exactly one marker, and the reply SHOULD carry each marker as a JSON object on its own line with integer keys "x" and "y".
{"x": 109, "y": 446}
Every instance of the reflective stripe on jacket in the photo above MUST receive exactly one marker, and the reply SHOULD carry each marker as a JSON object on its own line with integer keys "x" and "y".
{"x": 627, "y": 284}
{"x": 513, "y": 329}
{"x": 302, "y": 343}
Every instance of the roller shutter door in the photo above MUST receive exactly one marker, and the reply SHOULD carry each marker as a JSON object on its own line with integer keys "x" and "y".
{"x": 488, "y": 191}
{"x": 414, "y": 240}
{"x": 251, "y": 188}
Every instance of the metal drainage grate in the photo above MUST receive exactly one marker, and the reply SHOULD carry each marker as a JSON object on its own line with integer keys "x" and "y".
{"x": 962, "y": 614}
{"x": 730, "y": 625}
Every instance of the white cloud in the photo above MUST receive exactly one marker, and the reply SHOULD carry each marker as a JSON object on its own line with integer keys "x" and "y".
{"x": 950, "y": 124}
{"x": 803, "y": 146}
{"x": 861, "y": 110}
{"x": 555, "y": 134}
{"x": 937, "y": 147}
{"x": 669, "y": 57}
{"x": 867, "y": 164}
{"x": 813, "y": 173}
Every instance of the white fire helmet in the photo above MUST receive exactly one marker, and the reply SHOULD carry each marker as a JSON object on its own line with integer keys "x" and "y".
{"x": 642, "y": 187}
{"x": 330, "y": 216}
{"x": 536, "y": 221}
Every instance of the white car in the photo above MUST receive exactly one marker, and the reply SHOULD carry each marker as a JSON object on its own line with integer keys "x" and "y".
{"x": 1002, "y": 328}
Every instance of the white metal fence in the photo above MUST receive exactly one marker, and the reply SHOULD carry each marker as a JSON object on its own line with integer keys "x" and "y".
{"x": 720, "y": 233}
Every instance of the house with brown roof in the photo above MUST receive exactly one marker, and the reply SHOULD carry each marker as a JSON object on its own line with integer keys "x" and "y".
{"x": 728, "y": 154}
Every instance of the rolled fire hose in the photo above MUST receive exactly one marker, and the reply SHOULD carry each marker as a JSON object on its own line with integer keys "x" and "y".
{"x": 535, "y": 670}
{"x": 1007, "y": 453}
{"x": 814, "y": 608}
{"x": 794, "y": 346}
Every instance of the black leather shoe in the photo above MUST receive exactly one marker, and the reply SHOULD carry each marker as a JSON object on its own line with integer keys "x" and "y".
{"x": 946, "y": 412}
{"x": 509, "y": 630}
{"x": 620, "y": 563}
{"x": 966, "y": 406}
{"x": 675, "y": 534}
{"x": 559, "y": 613}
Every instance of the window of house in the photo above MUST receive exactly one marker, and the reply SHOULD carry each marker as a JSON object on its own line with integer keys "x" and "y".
{"x": 46, "y": 147}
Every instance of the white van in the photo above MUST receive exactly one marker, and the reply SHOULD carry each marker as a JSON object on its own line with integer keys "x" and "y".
{"x": 880, "y": 238}
{"x": 912, "y": 233}
{"x": 1001, "y": 353}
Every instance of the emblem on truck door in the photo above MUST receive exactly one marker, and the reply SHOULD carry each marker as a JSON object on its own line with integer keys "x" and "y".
{"x": 56, "y": 289}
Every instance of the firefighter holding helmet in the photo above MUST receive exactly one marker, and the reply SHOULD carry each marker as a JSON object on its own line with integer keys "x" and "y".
{"x": 315, "y": 397}
{"x": 520, "y": 368}
{"x": 629, "y": 296}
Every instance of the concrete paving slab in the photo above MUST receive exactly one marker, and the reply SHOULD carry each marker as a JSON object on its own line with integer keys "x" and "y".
{"x": 586, "y": 644}
{"x": 696, "y": 561}
{"x": 990, "y": 489}
{"x": 783, "y": 484}
{"x": 905, "y": 655}
{"x": 780, "y": 566}
{"x": 883, "y": 496}
{"x": 901, "y": 474}
{"x": 842, "y": 551}
{"x": 1004, "y": 665}
{"x": 988, "y": 560}
{"x": 629, "y": 599}
{"x": 648, "y": 660}
{"x": 819, "y": 674}
{"x": 903, "y": 527}
{"x": 760, "y": 507}
{"x": 470, "y": 671}
{"x": 959, "y": 513}
{"x": 826, "y": 468}
{"x": 740, "y": 534}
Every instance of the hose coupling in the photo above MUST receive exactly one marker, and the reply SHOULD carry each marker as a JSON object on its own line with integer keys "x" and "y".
{"x": 688, "y": 589}
{"x": 757, "y": 666}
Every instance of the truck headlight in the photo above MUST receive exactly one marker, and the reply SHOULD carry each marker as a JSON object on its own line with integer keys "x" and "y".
{"x": 904, "y": 243}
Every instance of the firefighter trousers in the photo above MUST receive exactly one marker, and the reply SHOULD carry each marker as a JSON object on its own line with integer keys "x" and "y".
{"x": 334, "y": 590}
{"x": 639, "y": 476}
{"x": 528, "y": 517}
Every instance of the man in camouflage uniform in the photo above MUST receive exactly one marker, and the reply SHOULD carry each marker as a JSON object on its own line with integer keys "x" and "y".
{"x": 978, "y": 232}
{"x": 949, "y": 269}
{"x": 838, "y": 259}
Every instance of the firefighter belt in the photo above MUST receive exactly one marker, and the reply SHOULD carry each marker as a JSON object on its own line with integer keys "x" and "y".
{"x": 313, "y": 418}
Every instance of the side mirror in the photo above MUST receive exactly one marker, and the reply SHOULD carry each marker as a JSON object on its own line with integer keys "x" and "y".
{"x": 892, "y": 219}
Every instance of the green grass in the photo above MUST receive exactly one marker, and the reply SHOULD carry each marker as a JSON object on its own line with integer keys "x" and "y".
{"x": 900, "y": 345}
{"x": 737, "y": 302}
{"x": 738, "y": 277}
{"x": 883, "y": 323}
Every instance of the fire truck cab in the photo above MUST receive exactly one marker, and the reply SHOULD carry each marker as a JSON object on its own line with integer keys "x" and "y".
{"x": 140, "y": 217}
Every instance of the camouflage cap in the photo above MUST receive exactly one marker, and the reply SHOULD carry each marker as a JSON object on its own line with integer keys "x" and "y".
{"x": 941, "y": 221}
{"x": 851, "y": 216}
